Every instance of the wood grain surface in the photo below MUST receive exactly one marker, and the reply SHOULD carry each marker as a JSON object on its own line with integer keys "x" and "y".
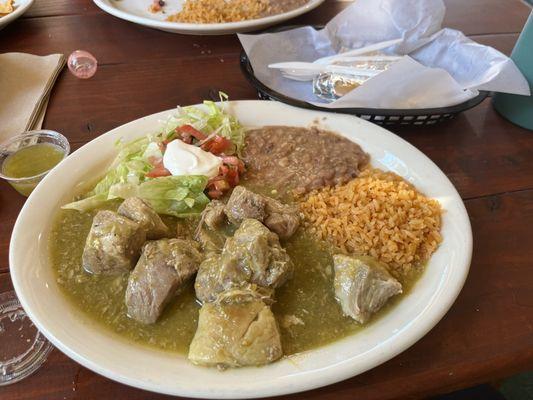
{"x": 487, "y": 334}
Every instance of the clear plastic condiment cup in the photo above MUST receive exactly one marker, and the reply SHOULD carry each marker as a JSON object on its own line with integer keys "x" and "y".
{"x": 25, "y": 185}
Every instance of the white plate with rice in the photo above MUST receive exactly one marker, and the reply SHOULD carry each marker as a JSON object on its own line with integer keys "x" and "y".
{"x": 19, "y": 8}
{"x": 107, "y": 354}
{"x": 138, "y": 11}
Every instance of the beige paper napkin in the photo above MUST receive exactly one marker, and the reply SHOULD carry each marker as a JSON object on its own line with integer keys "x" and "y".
{"x": 25, "y": 84}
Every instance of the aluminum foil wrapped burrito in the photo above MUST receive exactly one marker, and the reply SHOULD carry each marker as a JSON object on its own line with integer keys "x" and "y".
{"x": 332, "y": 85}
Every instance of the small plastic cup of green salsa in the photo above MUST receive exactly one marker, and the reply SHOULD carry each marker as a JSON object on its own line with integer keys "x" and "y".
{"x": 25, "y": 159}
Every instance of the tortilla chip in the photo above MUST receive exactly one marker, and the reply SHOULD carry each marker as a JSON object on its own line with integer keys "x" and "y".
{"x": 6, "y": 7}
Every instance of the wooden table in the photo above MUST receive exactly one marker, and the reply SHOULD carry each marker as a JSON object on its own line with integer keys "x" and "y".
{"x": 487, "y": 334}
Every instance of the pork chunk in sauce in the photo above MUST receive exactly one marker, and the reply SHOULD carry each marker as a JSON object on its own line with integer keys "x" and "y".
{"x": 139, "y": 211}
{"x": 362, "y": 286}
{"x": 236, "y": 331}
{"x": 281, "y": 218}
{"x": 252, "y": 256}
{"x": 244, "y": 203}
{"x": 254, "y": 252}
{"x": 113, "y": 244}
{"x": 209, "y": 283}
{"x": 164, "y": 267}
{"x": 210, "y": 230}
{"x": 300, "y": 159}
{"x": 213, "y": 216}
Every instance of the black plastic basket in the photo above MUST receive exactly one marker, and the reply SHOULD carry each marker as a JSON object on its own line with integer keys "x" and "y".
{"x": 422, "y": 116}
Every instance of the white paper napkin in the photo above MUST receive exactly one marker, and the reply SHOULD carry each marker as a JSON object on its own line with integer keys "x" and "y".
{"x": 25, "y": 84}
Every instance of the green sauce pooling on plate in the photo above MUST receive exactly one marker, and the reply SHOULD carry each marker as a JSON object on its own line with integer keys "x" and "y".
{"x": 31, "y": 161}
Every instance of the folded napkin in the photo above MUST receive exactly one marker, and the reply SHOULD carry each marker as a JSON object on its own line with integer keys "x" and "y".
{"x": 25, "y": 84}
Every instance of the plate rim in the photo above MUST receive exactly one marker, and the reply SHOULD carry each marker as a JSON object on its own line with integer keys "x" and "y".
{"x": 229, "y": 27}
{"x": 19, "y": 11}
{"x": 331, "y": 373}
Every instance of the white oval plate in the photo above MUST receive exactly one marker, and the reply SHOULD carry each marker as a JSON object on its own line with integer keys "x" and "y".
{"x": 20, "y": 7}
{"x": 96, "y": 348}
{"x": 137, "y": 11}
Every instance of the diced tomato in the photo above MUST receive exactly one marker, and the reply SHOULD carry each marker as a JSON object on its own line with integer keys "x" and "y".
{"x": 157, "y": 172}
{"x": 228, "y": 177}
{"x": 190, "y": 130}
{"x": 159, "y": 169}
{"x": 218, "y": 145}
{"x": 234, "y": 161}
{"x": 205, "y": 146}
{"x": 223, "y": 170}
{"x": 215, "y": 194}
{"x": 233, "y": 177}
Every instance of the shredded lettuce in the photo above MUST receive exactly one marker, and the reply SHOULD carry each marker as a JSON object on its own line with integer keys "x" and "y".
{"x": 172, "y": 195}
{"x": 213, "y": 120}
{"x": 179, "y": 196}
{"x": 88, "y": 203}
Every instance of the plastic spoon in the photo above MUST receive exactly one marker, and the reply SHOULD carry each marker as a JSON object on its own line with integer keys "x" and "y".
{"x": 305, "y": 71}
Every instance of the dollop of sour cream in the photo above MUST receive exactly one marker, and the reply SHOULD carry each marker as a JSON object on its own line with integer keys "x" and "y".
{"x": 186, "y": 159}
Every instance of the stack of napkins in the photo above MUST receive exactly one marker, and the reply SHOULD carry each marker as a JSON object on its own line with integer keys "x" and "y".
{"x": 25, "y": 84}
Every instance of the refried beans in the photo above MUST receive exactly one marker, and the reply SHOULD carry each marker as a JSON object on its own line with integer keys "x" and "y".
{"x": 300, "y": 159}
